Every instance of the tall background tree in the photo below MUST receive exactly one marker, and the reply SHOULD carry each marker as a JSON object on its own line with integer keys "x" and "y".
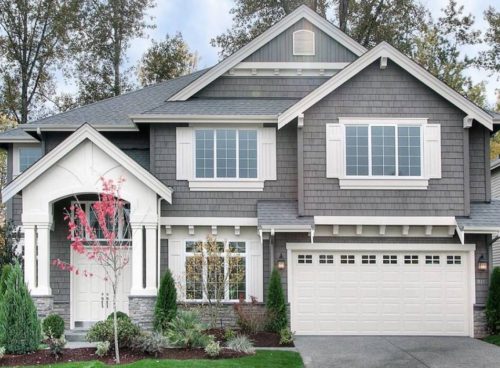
{"x": 166, "y": 59}
{"x": 34, "y": 37}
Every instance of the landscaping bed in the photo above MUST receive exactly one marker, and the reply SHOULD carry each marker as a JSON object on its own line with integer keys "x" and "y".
{"x": 126, "y": 356}
{"x": 259, "y": 339}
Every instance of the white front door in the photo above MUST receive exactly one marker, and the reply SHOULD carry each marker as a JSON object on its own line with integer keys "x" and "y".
{"x": 92, "y": 296}
{"x": 380, "y": 293}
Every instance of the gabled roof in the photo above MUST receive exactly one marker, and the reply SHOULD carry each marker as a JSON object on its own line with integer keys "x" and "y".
{"x": 17, "y": 135}
{"x": 494, "y": 164}
{"x": 385, "y": 50}
{"x": 113, "y": 113}
{"x": 85, "y": 132}
{"x": 302, "y": 11}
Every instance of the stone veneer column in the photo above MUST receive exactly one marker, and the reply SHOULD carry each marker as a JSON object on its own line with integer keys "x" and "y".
{"x": 141, "y": 310}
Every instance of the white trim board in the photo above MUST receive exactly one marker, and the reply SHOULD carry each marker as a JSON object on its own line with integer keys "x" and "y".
{"x": 395, "y": 247}
{"x": 385, "y": 50}
{"x": 85, "y": 132}
{"x": 209, "y": 221}
{"x": 302, "y": 11}
{"x": 386, "y": 220}
{"x": 204, "y": 119}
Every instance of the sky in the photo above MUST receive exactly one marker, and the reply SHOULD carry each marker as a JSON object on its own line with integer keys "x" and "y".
{"x": 201, "y": 20}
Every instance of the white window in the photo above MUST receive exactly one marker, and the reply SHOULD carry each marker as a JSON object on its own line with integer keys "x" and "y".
{"x": 120, "y": 225}
{"x": 384, "y": 153}
{"x": 432, "y": 259}
{"x": 305, "y": 258}
{"x": 411, "y": 259}
{"x": 389, "y": 259}
{"x": 24, "y": 156}
{"x": 347, "y": 259}
{"x": 453, "y": 259}
{"x": 369, "y": 259}
{"x": 303, "y": 42}
{"x": 205, "y": 281}
{"x": 326, "y": 258}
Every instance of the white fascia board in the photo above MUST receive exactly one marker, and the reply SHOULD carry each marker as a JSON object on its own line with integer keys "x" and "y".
{"x": 208, "y": 221}
{"x": 386, "y": 220}
{"x": 100, "y": 128}
{"x": 394, "y": 247}
{"x": 291, "y": 65}
{"x": 19, "y": 140}
{"x": 286, "y": 228}
{"x": 85, "y": 132}
{"x": 480, "y": 230}
{"x": 231, "y": 61}
{"x": 204, "y": 119}
{"x": 386, "y": 50}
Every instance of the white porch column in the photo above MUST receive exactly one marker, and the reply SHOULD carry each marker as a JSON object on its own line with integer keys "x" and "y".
{"x": 29, "y": 256}
{"x": 43, "y": 243}
{"x": 137, "y": 271}
{"x": 151, "y": 262}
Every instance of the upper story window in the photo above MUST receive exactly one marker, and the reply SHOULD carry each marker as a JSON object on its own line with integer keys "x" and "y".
{"x": 383, "y": 150}
{"x": 303, "y": 42}
{"x": 226, "y": 153}
{"x": 25, "y": 156}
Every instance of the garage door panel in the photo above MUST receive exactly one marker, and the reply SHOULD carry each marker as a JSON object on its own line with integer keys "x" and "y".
{"x": 392, "y": 299}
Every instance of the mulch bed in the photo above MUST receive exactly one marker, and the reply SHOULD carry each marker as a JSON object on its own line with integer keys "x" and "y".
{"x": 259, "y": 339}
{"x": 126, "y": 356}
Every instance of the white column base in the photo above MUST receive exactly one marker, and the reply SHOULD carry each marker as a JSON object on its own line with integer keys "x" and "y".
{"x": 42, "y": 291}
{"x": 143, "y": 292}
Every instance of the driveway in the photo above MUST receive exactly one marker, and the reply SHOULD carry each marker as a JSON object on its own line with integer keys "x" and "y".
{"x": 396, "y": 351}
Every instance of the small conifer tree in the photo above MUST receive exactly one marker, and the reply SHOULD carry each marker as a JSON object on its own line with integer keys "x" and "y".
{"x": 19, "y": 325}
{"x": 166, "y": 303}
{"x": 493, "y": 303}
{"x": 6, "y": 270}
{"x": 276, "y": 304}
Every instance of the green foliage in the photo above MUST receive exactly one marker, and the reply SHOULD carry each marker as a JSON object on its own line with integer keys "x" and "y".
{"x": 19, "y": 325}
{"x": 103, "y": 331}
{"x": 166, "y": 303}
{"x": 229, "y": 334}
{"x": 8, "y": 241}
{"x": 6, "y": 270}
{"x": 186, "y": 331}
{"x": 166, "y": 59}
{"x": 213, "y": 349}
{"x": 493, "y": 302}
{"x": 119, "y": 315}
{"x": 489, "y": 58}
{"x": 53, "y": 326}
{"x": 102, "y": 348}
{"x": 286, "y": 336}
{"x": 241, "y": 344}
{"x": 56, "y": 345}
{"x": 151, "y": 343}
{"x": 276, "y": 305}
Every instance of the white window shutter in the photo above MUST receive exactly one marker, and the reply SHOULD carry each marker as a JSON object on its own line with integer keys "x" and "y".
{"x": 255, "y": 270}
{"x": 184, "y": 153}
{"x": 432, "y": 151}
{"x": 267, "y": 161}
{"x": 334, "y": 151}
{"x": 175, "y": 261}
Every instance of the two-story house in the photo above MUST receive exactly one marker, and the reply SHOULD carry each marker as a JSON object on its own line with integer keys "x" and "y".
{"x": 366, "y": 178}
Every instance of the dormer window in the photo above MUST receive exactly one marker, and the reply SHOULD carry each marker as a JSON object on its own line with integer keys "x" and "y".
{"x": 303, "y": 43}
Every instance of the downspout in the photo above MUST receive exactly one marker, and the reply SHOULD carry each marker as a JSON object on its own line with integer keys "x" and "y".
{"x": 158, "y": 241}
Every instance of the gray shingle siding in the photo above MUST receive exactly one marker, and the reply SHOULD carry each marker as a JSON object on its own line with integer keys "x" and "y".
{"x": 223, "y": 204}
{"x": 261, "y": 87}
{"x": 479, "y": 163}
{"x": 280, "y": 49}
{"x": 495, "y": 183}
{"x": 384, "y": 93}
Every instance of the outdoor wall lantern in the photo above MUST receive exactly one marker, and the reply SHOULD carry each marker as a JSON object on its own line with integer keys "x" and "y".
{"x": 281, "y": 262}
{"x": 482, "y": 264}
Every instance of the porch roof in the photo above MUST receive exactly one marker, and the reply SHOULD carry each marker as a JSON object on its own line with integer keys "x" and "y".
{"x": 484, "y": 218}
{"x": 282, "y": 215}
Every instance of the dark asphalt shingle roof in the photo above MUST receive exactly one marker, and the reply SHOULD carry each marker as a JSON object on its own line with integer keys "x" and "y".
{"x": 482, "y": 215}
{"x": 16, "y": 135}
{"x": 224, "y": 107}
{"x": 115, "y": 111}
{"x": 276, "y": 213}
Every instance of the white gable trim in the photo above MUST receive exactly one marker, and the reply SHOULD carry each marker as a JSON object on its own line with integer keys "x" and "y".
{"x": 386, "y": 50}
{"x": 204, "y": 119}
{"x": 85, "y": 132}
{"x": 233, "y": 60}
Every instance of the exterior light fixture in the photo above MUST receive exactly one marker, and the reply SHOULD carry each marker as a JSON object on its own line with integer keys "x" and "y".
{"x": 281, "y": 263}
{"x": 482, "y": 264}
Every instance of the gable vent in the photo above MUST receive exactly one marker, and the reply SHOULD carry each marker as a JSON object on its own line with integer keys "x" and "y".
{"x": 303, "y": 42}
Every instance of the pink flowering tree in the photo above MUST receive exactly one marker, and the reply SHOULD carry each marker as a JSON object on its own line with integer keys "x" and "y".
{"x": 102, "y": 240}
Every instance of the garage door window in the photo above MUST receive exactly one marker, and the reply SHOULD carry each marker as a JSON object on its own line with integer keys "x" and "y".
{"x": 326, "y": 259}
{"x": 411, "y": 259}
{"x": 347, "y": 259}
{"x": 368, "y": 259}
{"x": 305, "y": 258}
{"x": 389, "y": 259}
{"x": 454, "y": 259}
{"x": 431, "y": 259}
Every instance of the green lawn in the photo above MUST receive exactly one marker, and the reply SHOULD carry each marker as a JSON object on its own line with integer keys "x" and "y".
{"x": 266, "y": 358}
{"x": 493, "y": 339}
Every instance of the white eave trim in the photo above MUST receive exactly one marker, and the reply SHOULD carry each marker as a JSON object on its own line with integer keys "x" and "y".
{"x": 204, "y": 119}
{"x": 208, "y": 221}
{"x": 302, "y": 11}
{"x": 85, "y": 132}
{"x": 395, "y": 247}
{"x": 286, "y": 69}
{"x": 72, "y": 128}
{"x": 386, "y": 220}
{"x": 386, "y": 50}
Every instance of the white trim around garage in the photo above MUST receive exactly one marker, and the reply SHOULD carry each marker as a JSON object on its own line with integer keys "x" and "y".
{"x": 386, "y": 220}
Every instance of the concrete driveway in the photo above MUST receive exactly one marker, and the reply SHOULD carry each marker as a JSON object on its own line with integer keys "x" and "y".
{"x": 396, "y": 351}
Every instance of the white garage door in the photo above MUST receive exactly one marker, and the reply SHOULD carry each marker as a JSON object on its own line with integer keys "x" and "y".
{"x": 380, "y": 293}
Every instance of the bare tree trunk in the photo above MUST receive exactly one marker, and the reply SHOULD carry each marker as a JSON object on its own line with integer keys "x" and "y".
{"x": 343, "y": 10}
{"x": 115, "y": 326}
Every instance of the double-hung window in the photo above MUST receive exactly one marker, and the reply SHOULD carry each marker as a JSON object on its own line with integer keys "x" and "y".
{"x": 383, "y": 150}
{"x": 226, "y": 154}
{"x": 25, "y": 156}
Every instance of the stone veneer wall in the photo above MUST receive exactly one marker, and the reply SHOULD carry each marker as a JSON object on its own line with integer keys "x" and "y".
{"x": 480, "y": 326}
{"x": 44, "y": 305}
{"x": 141, "y": 310}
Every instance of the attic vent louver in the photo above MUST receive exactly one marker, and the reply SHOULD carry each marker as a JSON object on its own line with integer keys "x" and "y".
{"x": 303, "y": 42}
